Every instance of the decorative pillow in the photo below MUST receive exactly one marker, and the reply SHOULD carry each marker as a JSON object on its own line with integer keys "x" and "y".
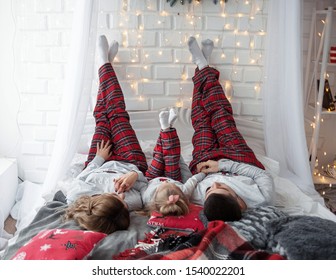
{"x": 189, "y": 222}
{"x": 59, "y": 244}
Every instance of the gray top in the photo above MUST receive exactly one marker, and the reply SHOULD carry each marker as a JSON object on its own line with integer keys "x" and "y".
{"x": 187, "y": 188}
{"x": 252, "y": 184}
{"x": 98, "y": 177}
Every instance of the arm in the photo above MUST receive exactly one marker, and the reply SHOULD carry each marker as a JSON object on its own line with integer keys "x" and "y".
{"x": 261, "y": 177}
{"x": 133, "y": 179}
{"x": 191, "y": 184}
{"x": 103, "y": 153}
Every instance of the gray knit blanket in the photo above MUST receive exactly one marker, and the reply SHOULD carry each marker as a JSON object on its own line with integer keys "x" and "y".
{"x": 294, "y": 237}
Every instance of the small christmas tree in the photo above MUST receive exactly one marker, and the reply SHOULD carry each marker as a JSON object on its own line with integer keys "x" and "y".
{"x": 328, "y": 101}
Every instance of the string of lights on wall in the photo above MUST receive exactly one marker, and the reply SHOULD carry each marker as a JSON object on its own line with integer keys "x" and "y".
{"x": 329, "y": 168}
{"x": 192, "y": 14}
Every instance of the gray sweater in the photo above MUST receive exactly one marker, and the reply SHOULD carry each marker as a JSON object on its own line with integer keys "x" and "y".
{"x": 187, "y": 188}
{"x": 98, "y": 176}
{"x": 252, "y": 184}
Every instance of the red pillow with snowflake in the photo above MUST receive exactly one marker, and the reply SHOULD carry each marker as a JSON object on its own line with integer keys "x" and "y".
{"x": 189, "y": 222}
{"x": 59, "y": 244}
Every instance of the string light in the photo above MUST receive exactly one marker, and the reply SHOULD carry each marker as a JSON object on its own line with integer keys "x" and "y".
{"x": 246, "y": 37}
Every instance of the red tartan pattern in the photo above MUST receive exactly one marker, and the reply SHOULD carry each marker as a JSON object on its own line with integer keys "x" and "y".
{"x": 219, "y": 241}
{"x": 166, "y": 157}
{"x": 112, "y": 122}
{"x": 216, "y": 135}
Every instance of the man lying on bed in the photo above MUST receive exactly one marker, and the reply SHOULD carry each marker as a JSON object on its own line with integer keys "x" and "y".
{"x": 236, "y": 180}
{"x": 109, "y": 187}
{"x": 228, "y": 178}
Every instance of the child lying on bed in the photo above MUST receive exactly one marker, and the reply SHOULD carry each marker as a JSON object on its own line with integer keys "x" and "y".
{"x": 229, "y": 178}
{"x": 109, "y": 187}
{"x": 166, "y": 193}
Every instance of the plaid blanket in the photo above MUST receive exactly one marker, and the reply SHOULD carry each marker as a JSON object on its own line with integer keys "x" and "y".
{"x": 218, "y": 241}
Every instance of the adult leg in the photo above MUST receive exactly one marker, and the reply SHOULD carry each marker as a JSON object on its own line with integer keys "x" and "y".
{"x": 218, "y": 128}
{"x": 110, "y": 100}
{"x": 102, "y": 128}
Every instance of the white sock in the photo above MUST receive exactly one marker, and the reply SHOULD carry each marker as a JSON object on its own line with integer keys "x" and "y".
{"x": 197, "y": 55}
{"x": 102, "y": 47}
{"x": 113, "y": 51}
{"x": 164, "y": 120}
{"x": 207, "y": 47}
{"x": 172, "y": 117}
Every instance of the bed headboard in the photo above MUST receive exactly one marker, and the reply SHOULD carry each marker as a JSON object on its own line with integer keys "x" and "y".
{"x": 147, "y": 127}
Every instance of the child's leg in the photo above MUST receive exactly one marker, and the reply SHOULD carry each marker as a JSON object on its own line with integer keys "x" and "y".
{"x": 167, "y": 152}
{"x": 156, "y": 168}
{"x": 166, "y": 157}
{"x": 171, "y": 149}
{"x": 125, "y": 144}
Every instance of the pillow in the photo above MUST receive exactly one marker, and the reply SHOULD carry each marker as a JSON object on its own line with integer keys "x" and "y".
{"x": 189, "y": 222}
{"x": 59, "y": 244}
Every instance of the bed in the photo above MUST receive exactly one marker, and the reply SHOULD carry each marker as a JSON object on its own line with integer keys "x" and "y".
{"x": 295, "y": 227}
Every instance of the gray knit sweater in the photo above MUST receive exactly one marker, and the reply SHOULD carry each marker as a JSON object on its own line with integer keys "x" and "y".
{"x": 252, "y": 184}
{"x": 98, "y": 176}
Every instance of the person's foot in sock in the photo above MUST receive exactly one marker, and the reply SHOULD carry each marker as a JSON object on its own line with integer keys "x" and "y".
{"x": 172, "y": 117}
{"x": 164, "y": 120}
{"x": 197, "y": 55}
{"x": 113, "y": 51}
{"x": 207, "y": 47}
{"x": 103, "y": 48}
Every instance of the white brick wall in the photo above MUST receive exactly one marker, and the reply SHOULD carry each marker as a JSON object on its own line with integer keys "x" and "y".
{"x": 153, "y": 62}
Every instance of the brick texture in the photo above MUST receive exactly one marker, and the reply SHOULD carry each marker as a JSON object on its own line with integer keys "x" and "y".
{"x": 153, "y": 62}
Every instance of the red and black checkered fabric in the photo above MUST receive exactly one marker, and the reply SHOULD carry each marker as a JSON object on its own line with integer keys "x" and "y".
{"x": 112, "y": 122}
{"x": 216, "y": 135}
{"x": 166, "y": 157}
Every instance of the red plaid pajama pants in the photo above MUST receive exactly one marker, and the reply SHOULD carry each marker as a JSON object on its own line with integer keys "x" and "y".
{"x": 112, "y": 122}
{"x": 216, "y": 135}
{"x": 166, "y": 157}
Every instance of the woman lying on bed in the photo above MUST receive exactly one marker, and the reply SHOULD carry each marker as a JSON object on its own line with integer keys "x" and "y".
{"x": 109, "y": 187}
{"x": 229, "y": 178}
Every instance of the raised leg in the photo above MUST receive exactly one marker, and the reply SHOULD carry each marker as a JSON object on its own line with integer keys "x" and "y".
{"x": 167, "y": 152}
{"x": 110, "y": 114}
{"x": 216, "y": 135}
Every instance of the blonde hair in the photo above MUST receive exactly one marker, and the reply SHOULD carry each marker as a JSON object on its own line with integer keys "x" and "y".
{"x": 161, "y": 201}
{"x": 103, "y": 213}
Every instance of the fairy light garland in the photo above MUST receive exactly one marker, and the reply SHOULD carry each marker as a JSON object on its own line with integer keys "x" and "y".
{"x": 322, "y": 173}
{"x": 231, "y": 27}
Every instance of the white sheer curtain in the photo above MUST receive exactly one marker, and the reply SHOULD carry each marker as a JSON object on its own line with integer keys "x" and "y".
{"x": 285, "y": 139}
{"x": 77, "y": 89}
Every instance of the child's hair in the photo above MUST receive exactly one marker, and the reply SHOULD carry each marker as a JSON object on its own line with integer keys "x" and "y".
{"x": 222, "y": 207}
{"x": 103, "y": 213}
{"x": 170, "y": 201}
